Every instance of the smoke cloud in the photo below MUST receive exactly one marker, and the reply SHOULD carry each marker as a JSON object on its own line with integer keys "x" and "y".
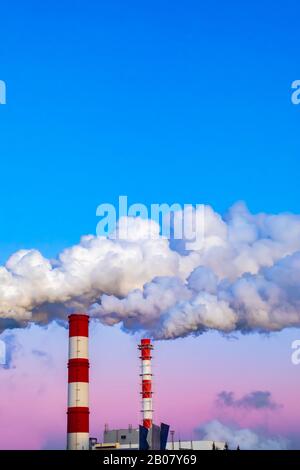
{"x": 245, "y": 438}
{"x": 245, "y": 277}
{"x": 257, "y": 400}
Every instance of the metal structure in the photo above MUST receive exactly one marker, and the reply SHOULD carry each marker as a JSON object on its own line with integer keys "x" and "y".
{"x": 145, "y": 348}
{"x": 78, "y": 383}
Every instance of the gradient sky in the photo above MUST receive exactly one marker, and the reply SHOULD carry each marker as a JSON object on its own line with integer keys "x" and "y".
{"x": 186, "y": 102}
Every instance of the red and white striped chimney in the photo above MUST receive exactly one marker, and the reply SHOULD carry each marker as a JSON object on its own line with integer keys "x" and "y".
{"x": 146, "y": 373}
{"x": 78, "y": 383}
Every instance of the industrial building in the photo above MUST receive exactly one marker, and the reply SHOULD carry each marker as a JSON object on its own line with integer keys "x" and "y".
{"x": 133, "y": 438}
{"x": 148, "y": 436}
{"x": 128, "y": 438}
{"x": 196, "y": 445}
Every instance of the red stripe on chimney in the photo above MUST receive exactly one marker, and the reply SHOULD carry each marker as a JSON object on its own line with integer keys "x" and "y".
{"x": 78, "y": 325}
{"x": 78, "y": 419}
{"x": 78, "y": 370}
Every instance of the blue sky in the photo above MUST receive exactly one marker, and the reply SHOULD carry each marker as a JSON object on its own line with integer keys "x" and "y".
{"x": 161, "y": 101}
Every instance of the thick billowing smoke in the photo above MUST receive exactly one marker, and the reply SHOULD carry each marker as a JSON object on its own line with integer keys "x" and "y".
{"x": 245, "y": 277}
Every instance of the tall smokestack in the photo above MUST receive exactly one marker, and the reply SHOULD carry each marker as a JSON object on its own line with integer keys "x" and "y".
{"x": 146, "y": 373}
{"x": 78, "y": 383}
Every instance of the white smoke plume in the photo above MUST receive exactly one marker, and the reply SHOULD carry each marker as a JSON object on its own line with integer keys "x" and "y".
{"x": 245, "y": 277}
{"x": 244, "y": 438}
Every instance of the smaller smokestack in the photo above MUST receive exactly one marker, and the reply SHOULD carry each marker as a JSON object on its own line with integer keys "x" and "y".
{"x": 78, "y": 383}
{"x": 146, "y": 373}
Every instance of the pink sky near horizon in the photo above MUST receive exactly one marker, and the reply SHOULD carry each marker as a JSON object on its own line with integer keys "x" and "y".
{"x": 188, "y": 375}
